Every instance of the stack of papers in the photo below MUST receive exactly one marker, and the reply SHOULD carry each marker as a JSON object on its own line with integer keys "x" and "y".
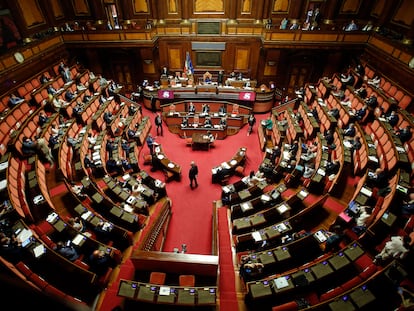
{"x": 256, "y": 236}
{"x": 281, "y": 283}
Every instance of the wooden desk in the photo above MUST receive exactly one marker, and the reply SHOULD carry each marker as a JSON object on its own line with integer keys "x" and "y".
{"x": 322, "y": 270}
{"x": 353, "y": 252}
{"x": 339, "y": 261}
{"x": 168, "y": 295}
{"x": 200, "y": 141}
{"x": 162, "y": 162}
{"x": 341, "y": 305}
{"x": 362, "y": 296}
{"x": 260, "y": 289}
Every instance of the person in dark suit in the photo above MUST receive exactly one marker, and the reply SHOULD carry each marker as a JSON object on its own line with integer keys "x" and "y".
{"x": 350, "y": 130}
{"x": 393, "y": 118}
{"x": 371, "y": 101}
{"x": 191, "y": 109}
{"x": 158, "y": 123}
{"x": 192, "y": 174}
{"x": 404, "y": 134}
{"x": 164, "y": 72}
{"x": 347, "y": 79}
{"x": 150, "y": 143}
{"x": 67, "y": 251}
{"x": 99, "y": 262}
{"x": 360, "y": 113}
{"x": 329, "y": 137}
{"x": 220, "y": 78}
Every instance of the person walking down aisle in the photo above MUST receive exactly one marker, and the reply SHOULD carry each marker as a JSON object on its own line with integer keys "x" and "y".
{"x": 150, "y": 143}
{"x": 251, "y": 121}
{"x": 158, "y": 123}
{"x": 192, "y": 174}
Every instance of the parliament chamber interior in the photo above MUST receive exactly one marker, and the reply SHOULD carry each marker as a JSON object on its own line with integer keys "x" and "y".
{"x": 297, "y": 115}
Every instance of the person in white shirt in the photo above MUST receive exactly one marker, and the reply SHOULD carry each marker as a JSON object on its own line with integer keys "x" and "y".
{"x": 397, "y": 247}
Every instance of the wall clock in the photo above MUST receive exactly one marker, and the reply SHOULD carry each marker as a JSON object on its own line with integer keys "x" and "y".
{"x": 19, "y": 57}
{"x": 411, "y": 63}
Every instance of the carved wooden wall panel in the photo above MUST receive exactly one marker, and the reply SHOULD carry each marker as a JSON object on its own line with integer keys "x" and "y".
{"x": 174, "y": 58}
{"x": 81, "y": 7}
{"x": 31, "y": 13}
{"x": 56, "y": 9}
{"x": 242, "y": 58}
{"x": 404, "y": 15}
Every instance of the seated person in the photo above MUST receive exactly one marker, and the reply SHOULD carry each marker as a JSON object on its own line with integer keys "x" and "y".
{"x": 351, "y": 26}
{"x": 207, "y": 77}
{"x": 51, "y": 90}
{"x": 222, "y": 110}
{"x": 309, "y": 170}
{"x": 210, "y": 136}
{"x": 207, "y": 122}
{"x": 108, "y": 117}
{"x": 378, "y": 179}
{"x": 392, "y": 118}
{"x": 404, "y": 134}
{"x": 268, "y": 123}
{"x": 375, "y": 82}
{"x": 334, "y": 238}
{"x": 308, "y": 156}
{"x": 347, "y": 79}
{"x": 171, "y": 109}
{"x": 78, "y": 110}
{"x": 113, "y": 166}
{"x": 99, "y": 262}
{"x": 185, "y": 122}
{"x": 371, "y": 101}
{"x": 235, "y": 110}
{"x": 28, "y": 146}
{"x": 362, "y": 92}
{"x": 359, "y": 114}
{"x": 361, "y": 219}
{"x": 396, "y": 247}
{"x": 125, "y": 146}
{"x": 334, "y": 112}
{"x": 77, "y": 224}
{"x": 276, "y": 153}
{"x": 43, "y": 79}
{"x": 355, "y": 144}
{"x": 350, "y": 130}
{"x": 10, "y": 247}
{"x": 223, "y": 122}
{"x": 69, "y": 95}
{"x": 67, "y": 250}
{"x": 88, "y": 163}
{"x": 248, "y": 269}
{"x": 43, "y": 118}
{"x": 205, "y": 110}
{"x": 103, "y": 231}
{"x": 191, "y": 108}
{"x": 15, "y": 100}
{"x": 332, "y": 167}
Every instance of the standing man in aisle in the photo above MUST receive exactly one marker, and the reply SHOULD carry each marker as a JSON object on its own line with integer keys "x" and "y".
{"x": 158, "y": 123}
{"x": 192, "y": 174}
{"x": 150, "y": 143}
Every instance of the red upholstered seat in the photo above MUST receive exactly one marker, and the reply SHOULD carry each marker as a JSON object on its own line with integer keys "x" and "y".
{"x": 331, "y": 293}
{"x": 187, "y": 280}
{"x": 368, "y": 271}
{"x": 157, "y": 278}
{"x": 147, "y": 159}
{"x": 288, "y": 306}
{"x": 239, "y": 170}
{"x": 351, "y": 283}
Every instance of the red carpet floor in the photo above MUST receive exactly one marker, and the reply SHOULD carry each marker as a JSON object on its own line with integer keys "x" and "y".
{"x": 191, "y": 221}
